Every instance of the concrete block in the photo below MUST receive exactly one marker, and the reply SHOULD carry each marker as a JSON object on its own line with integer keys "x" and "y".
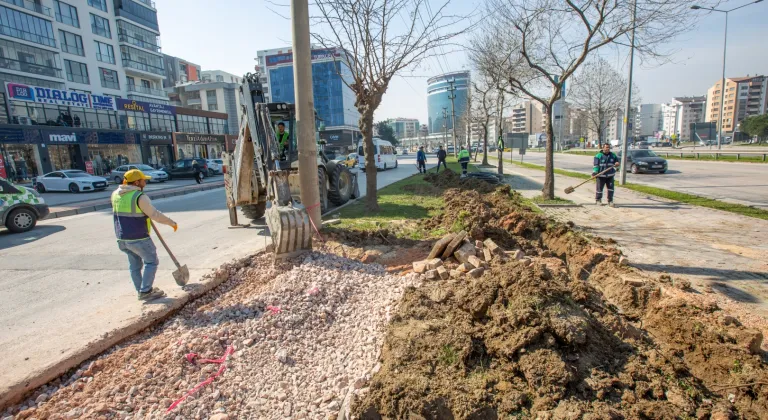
{"x": 477, "y": 272}
{"x": 491, "y": 245}
{"x": 420, "y": 266}
{"x": 443, "y": 273}
{"x": 432, "y": 275}
{"x": 474, "y": 261}
{"x": 464, "y": 252}
{"x": 434, "y": 263}
{"x": 464, "y": 267}
{"x": 439, "y": 247}
{"x": 456, "y": 242}
{"x": 487, "y": 255}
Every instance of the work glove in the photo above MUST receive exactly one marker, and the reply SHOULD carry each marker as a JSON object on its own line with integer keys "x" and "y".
{"x": 594, "y": 173}
{"x": 175, "y": 226}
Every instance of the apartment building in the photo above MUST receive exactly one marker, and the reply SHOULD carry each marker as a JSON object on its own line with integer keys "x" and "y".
{"x": 680, "y": 113}
{"x": 648, "y": 120}
{"x": 179, "y": 70}
{"x": 527, "y": 117}
{"x": 216, "y": 91}
{"x": 404, "y": 127}
{"x": 744, "y": 96}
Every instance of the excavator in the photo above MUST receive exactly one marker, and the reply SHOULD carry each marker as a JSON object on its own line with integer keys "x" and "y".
{"x": 263, "y": 179}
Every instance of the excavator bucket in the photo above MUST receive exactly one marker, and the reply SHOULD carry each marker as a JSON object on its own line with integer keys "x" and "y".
{"x": 290, "y": 228}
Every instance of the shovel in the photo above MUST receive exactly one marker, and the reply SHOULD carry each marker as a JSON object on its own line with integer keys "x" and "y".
{"x": 181, "y": 275}
{"x": 572, "y": 189}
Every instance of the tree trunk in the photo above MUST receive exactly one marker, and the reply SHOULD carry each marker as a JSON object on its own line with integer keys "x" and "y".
{"x": 499, "y": 127}
{"x": 366, "y": 128}
{"x": 485, "y": 144}
{"x": 548, "y": 191}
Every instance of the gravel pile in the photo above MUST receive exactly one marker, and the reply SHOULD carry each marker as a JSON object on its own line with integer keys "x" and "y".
{"x": 304, "y": 338}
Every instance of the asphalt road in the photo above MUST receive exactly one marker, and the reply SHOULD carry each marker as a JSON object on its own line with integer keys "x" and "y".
{"x": 743, "y": 183}
{"x": 65, "y": 283}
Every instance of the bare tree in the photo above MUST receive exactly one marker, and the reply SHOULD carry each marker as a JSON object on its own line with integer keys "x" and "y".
{"x": 380, "y": 39}
{"x": 600, "y": 91}
{"x": 555, "y": 37}
{"x": 482, "y": 112}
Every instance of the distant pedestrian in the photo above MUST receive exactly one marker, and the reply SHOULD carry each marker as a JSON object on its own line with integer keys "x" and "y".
{"x": 131, "y": 213}
{"x": 197, "y": 172}
{"x": 441, "y": 155}
{"x": 605, "y": 159}
{"x": 421, "y": 160}
{"x": 464, "y": 160}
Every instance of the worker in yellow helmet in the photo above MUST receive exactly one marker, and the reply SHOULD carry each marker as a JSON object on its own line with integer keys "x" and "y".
{"x": 464, "y": 160}
{"x": 131, "y": 212}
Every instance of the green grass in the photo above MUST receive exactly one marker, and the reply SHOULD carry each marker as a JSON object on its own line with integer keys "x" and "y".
{"x": 671, "y": 195}
{"x": 557, "y": 200}
{"x": 702, "y": 156}
{"x": 411, "y": 198}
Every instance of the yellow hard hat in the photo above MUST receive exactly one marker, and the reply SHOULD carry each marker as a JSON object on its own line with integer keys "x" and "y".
{"x": 134, "y": 175}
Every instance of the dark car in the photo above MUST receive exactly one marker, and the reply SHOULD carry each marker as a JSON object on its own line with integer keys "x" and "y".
{"x": 645, "y": 161}
{"x": 182, "y": 168}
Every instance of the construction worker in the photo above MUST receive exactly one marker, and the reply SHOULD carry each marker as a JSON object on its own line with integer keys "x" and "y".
{"x": 283, "y": 138}
{"x": 464, "y": 160}
{"x": 441, "y": 155}
{"x": 131, "y": 212}
{"x": 605, "y": 159}
{"x": 421, "y": 160}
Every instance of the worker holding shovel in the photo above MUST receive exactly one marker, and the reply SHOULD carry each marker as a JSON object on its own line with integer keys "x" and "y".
{"x": 604, "y": 171}
{"x": 132, "y": 211}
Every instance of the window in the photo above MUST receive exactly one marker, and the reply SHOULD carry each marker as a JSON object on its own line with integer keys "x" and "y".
{"x": 71, "y": 43}
{"x": 109, "y": 78}
{"x": 193, "y": 95}
{"x": 139, "y": 37}
{"x": 27, "y": 27}
{"x": 146, "y": 84}
{"x": 141, "y": 60}
{"x": 161, "y": 122}
{"x": 100, "y": 26}
{"x": 66, "y": 13}
{"x": 213, "y": 107}
{"x": 99, "y": 4}
{"x": 22, "y": 57}
{"x": 105, "y": 53}
{"x": 219, "y": 78}
{"x": 138, "y": 13}
{"x": 217, "y": 126}
{"x": 76, "y": 72}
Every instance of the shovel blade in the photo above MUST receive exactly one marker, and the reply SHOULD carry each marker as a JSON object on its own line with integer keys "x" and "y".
{"x": 569, "y": 190}
{"x": 181, "y": 275}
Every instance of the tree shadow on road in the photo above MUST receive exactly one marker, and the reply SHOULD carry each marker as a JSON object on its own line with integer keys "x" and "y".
{"x": 9, "y": 240}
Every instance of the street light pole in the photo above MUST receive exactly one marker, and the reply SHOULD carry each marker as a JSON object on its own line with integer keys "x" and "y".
{"x": 627, "y": 120}
{"x": 722, "y": 79}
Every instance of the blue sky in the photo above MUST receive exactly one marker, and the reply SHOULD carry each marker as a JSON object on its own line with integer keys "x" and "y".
{"x": 225, "y": 35}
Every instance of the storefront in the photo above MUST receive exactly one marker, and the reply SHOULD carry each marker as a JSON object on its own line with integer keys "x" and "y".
{"x": 19, "y": 154}
{"x": 340, "y": 141}
{"x": 206, "y": 146}
{"x": 157, "y": 149}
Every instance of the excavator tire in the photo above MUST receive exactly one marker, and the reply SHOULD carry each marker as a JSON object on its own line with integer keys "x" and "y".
{"x": 254, "y": 211}
{"x": 340, "y": 180}
{"x": 323, "y": 190}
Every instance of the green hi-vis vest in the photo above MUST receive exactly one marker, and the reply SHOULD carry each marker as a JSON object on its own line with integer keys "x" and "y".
{"x": 283, "y": 139}
{"x": 464, "y": 153}
{"x": 131, "y": 223}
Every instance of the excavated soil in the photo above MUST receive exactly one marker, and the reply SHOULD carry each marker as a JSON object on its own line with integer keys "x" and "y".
{"x": 569, "y": 332}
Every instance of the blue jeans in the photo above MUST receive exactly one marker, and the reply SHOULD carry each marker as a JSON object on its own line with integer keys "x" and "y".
{"x": 141, "y": 252}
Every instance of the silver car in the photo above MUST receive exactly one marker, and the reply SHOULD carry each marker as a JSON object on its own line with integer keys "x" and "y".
{"x": 156, "y": 174}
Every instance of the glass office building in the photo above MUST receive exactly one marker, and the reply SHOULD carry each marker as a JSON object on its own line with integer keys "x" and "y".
{"x": 438, "y": 98}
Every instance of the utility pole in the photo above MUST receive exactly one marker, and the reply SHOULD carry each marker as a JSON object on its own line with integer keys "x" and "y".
{"x": 305, "y": 110}
{"x": 627, "y": 121}
{"x": 445, "y": 126}
{"x": 452, "y": 96}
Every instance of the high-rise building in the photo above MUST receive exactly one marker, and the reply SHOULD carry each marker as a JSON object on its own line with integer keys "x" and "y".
{"x": 178, "y": 70}
{"x": 680, "y": 113}
{"x": 404, "y": 127}
{"x": 216, "y": 91}
{"x": 68, "y": 100}
{"x": 527, "y": 118}
{"x": 744, "y": 96}
{"x": 649, "y": 120}
{"x": 439, "y": 100}
{"x": 334, "y": 100}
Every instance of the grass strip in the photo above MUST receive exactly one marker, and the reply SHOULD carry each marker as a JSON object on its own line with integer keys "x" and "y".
{"x": 671, "y": 195}
{"x": 703, "y": 157}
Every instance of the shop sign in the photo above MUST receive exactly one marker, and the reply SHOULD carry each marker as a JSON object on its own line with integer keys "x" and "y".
{"x": 89, "y": 167}
{"x": 62, "y": 138}
{"x": 156, "y": 137}
{"x": 44, "y": 95}
{"x": 150, "y": 108}
{"x": 323, "y": 54}
{"x": 199, "y": 138}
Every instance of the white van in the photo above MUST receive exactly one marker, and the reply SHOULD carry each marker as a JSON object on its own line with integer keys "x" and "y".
{"x": 385, "y": 157}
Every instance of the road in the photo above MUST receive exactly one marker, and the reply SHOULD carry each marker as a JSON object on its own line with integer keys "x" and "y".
{"x": 63, "y": 198}
{"x": 743, "y": 183}
{"x": 65, "y": 284}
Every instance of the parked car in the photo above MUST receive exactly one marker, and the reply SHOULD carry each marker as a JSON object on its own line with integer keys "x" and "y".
{"x": 645, "y": 161}
{"x": 403, "y": 151}
{"x": 662, "y": 144}
{"x": 640, "y": 145}
{"x": 384, "y": 157}
{"x": 182, "y": 168}
{"x": 449, "y": 150}
{"x": 157, "y": 175}
{"x": 20, "y": 207}
{"x": 72, "y": 180}
{"x": 351, "y": 160}
{"x": 215, "y": 166}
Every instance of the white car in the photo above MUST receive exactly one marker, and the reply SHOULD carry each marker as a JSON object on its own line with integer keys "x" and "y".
{"x": 72, "y": 180}
{"x": 215, "y": 166}
{"x": 156, "y": 174}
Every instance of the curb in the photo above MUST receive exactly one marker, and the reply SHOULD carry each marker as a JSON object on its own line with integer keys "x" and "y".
{"x": 153, "y": 195}
{"x": 16, "y": 392}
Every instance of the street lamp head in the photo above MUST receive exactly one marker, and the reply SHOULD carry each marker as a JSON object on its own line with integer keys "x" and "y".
{"x": 758, "y": 1}
{"x": 695, "y": 7}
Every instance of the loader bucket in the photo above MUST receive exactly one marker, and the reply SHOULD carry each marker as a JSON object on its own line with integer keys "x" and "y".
{"x": 290, "y": 228}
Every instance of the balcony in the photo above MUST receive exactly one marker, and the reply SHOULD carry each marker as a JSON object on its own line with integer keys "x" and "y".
{"x": 128, "y": 63}
{"x": 148, "y": 3}
{"x": 27, "y": 36}
{"x": 30, "y": 5}
{"x": 124, "y": 37}
{"x": 194, "y": 101}
{"x": 37, "y": 69}
{"x": 145, "y": 90}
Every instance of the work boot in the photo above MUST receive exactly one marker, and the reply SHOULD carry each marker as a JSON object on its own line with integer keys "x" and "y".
{"x": 610, "y": 204}
{"x": 153, "y": 294}
{"x": 598, "y": 202}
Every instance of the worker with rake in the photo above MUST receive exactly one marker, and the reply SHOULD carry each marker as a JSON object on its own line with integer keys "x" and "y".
{"x": 604, "y": 171}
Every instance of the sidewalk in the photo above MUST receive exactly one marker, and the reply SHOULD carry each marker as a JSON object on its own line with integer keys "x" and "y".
{"x": 81, "y": 207}
{"x": 713, "y": 249}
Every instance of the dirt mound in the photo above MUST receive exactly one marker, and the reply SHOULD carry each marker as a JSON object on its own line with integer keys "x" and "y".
{"x": 567, "y": 332}
{"x": 450, "y": 179}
